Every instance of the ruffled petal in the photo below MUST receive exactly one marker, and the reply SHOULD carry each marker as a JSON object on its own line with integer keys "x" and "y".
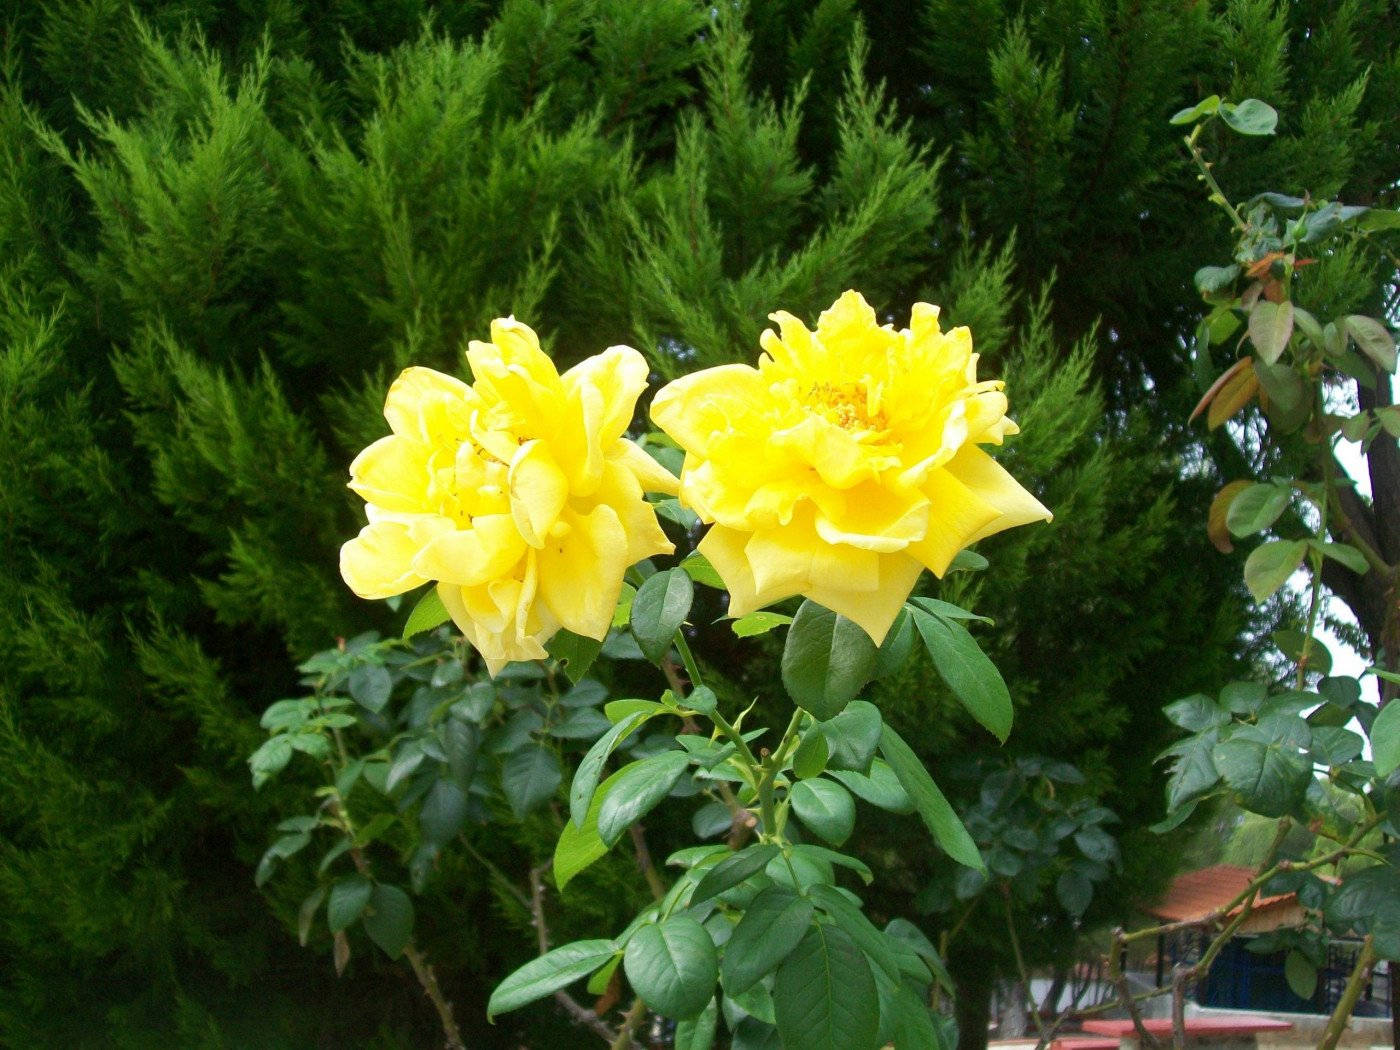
{"x": 538, "y": 491}
{"x": 581, "y": 571}
{"x": 956, "y": 515}
{"x": 378, "y": 563}
{"x": 469, "y": 557}
{"x": 998, "y": 489}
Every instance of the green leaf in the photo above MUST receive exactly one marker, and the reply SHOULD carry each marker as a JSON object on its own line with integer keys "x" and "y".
{"x": 1375, "y": 220}
{"x": 1269, "y": 566}
{"x": 270, "y": 759}
{"x": 1196, "y": 712}
{"x": 827, "y": 660}
{"x": 698, "y": 567}
{"x": 1250, "y": 117}
{"x": 1269, "y": 777}
{"x": 659, "y": 609}
{"x": 530, "y": 777}
{"x": 898, "y": 644}
{"x": 1074, "y": 891}
{"x": 1212, "y": 279}
{"x": 306, "y": 914}
{"x": 1385, "y": 739}
{"x": 370, "y": 685}
{"x": 580, "y": 845}
{"x": 639, "y": 787}
{"x": 1257, "y": 507}
{"x": 824, "y": 995}
{"x": 1194, "y": 773}
{"x": 1344, "y": 553}
{"x": 1301, "y": 974}
{"x": 697, "y": 1033}
{"x": 348, "y": 899}
{"x": 824, "y": 807}
{"x": 879, "y": 949}
{"x": 1204, "y": 108}
{"x": 810, "y": 757}
{"x": 732, "y": 871}
{"x": 575, "y": 652}
{"x": 673, "y": 966}
{"x": 968, "y": 672}
{"x": 598, "y": 983}
{"x": 967, "y": 561}
{"x": 937, "y": 814}
{"x": 949, "y": 611}
{"x": 591, "y": 767}
{"x": 443, "y": 812}
{"x": 1270, "y": 326}
{"x": 428, "y": 612}
{"x": 547, "y": 974}
{"x": 821, "y": 854}
{"x": 918, "y": 942}
{"x": 853, "y": 736}
{"x": 1373, "y": 339}
{"x": 880, "y": 787}
{"x": 756, "y": 623}
{"x": 389, "y": 919}
{"x": 772, "y": 925}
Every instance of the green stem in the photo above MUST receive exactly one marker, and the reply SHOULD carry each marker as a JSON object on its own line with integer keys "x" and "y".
{"x": 692, "y": 669}
{"x": 1217, "y": 194}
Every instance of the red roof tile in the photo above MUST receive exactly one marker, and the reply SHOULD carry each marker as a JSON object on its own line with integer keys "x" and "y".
{"x": 1195, "y": 894}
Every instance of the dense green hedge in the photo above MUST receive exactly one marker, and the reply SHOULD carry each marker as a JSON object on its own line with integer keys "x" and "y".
{"x": 224, "y": 226}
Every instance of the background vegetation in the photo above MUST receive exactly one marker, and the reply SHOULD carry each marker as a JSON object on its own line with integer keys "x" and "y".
{"x": 224, "y": 226}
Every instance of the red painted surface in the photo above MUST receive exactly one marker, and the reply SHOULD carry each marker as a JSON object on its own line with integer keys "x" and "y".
{"x": 1085, "y": 1042}
{"x": 1195, "y": 1026}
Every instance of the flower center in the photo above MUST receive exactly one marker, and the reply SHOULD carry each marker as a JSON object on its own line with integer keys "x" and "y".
{"x": 851, "y": 406}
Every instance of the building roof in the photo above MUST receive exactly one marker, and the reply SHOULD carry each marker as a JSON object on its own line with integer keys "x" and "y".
{"x": 1193, "y": 895}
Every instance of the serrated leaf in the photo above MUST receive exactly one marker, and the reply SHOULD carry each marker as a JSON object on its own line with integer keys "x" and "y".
{"x": 530, "y": 777}
{"x": 1385, "y": 739}
{"x": 824, "y": 807}
{"x": 1373, "y": 339}
{"x": 880, "y": 787}
{"x": 672, "y": 966}
{"x": 660, "y": 607}
{"x": 732, "y": 871}
{"x": 575, "y": 651}
{"x": 1269, "y": 566}
{"x": 1196, "y": 712}
{"x": 756, "y": 623}
{"x": 1269, "y": 778}
{"x": 967, "y": 671}
{"x": 1250, "y": 117}
{"x": 639, "y": 787}
{"x": 824, "y": 994}
{"x": 827, "y": 660}
{"x": 348, "y": 899}
{"x": 389, "y": 919}
{"x": 938, "y": 816}
{"x": 428, "y": 612}
{"x": 370, "y": 685}
{"x": 698, "y": 567}
{"x": 547, "y": 974}
{"x": 1270, "y": 327}
{"x": 580, "y": 845}
{"x": 1256, "y": 507}
{"x": 772, "y": 926}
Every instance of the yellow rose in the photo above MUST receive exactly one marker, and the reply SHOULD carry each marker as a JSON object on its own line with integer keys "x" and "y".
{"x": 845, "y": 463}
{"x": 519, "y": 494}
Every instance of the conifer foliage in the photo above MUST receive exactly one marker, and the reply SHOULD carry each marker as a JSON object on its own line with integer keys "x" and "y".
{"x": 225, "y": 226}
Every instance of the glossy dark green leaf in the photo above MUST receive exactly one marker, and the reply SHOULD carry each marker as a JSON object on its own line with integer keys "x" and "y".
{"x": 771, "y": 927}
{"x": 370, "y": 685}
{"x": 1196, "y": 712}
{"x": 575, "y": 652}
{"x": 811, "y": 755}
{"x": 580, "y": 845}
{"x": 547, "y": 974}
{"x": 698, "y": 1033}
{"x": 880, "y": 787}
{"x": 673, "y": 966}
{"x": 660, "y": 607}
{"x": 443, "y": 812}
{"x": 827, "y": 660}
{"x": 732, "y": 871}
{"x": 1194, "y": 772}
{"x": 530, "y": 777}
{"x": 1268, "y": 778}
{"x": 824, "y": 995}
{"x": 967, "y": 671}
{"x": 348, "y": 899}
{"x": 947, "y": 830}
{"x": 825, "y": 808}
{"x": 388, "y": 919}
{"x": 639, "y": 787}
{"x": 591, "y": 767}
{"x": 853, "y": 736}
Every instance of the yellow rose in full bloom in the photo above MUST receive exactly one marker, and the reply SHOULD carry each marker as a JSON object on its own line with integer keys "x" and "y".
{"x": 845, "y": 463}
{"x": 518, "y": 494}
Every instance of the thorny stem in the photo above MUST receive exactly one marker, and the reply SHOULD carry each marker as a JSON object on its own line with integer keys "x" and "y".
{"x": 630, "y": 1020}
{"x": 1125, "y": 993}
{"x": 739, "y": 817}
{"x": 1216, "y": 193}
{"x": 1315, "y": 596}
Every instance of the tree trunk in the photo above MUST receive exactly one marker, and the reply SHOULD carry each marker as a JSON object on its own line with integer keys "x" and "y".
{"x": 974, "y": 981}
